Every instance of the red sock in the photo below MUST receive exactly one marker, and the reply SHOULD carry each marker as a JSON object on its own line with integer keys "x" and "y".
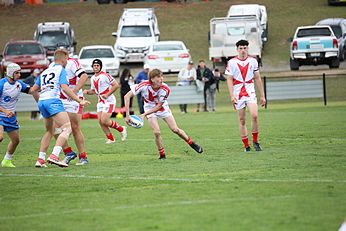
{"x": 110, "y": 136}
{"x": 67, "y": 150}
{"x": 255, "y": 137}
{"x": 162, "y": 152}
{"x": 245, "y": 141}
{"x": 117, "y": 127}
{"x": 82, "y": 155}
{"x": 189, "y": 141}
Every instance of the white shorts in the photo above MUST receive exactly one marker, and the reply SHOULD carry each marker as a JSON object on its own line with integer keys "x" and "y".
{"x": 243, "y": 102}
{"x": 160, "y": 114}
{"x": 72, "y": 106}
{"x": 105, "y": 107}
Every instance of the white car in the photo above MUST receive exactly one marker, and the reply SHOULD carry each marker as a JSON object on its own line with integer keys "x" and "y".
{"x": 168, "y": 56}
{"x": 110, "y": 63}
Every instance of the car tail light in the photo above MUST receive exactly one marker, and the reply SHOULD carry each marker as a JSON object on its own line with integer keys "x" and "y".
{"x": 184, "y": 55}
{"x": 335, "y": 43}
{"x": 217, "y": 60}
{"x": 153, "y": 57}
{"x": 294, "y": 45}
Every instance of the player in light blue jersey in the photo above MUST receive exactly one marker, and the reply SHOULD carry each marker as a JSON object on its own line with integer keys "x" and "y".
{"x": 51, "y": 82}
{"x": 10, "y": 89}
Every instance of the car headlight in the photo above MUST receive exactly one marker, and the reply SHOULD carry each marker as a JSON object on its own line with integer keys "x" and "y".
{"x": 120, "y": 53}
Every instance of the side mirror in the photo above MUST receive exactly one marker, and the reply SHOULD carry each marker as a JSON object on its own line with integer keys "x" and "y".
{"x": 290, "y": 39}
{"x": 114, "y": 34}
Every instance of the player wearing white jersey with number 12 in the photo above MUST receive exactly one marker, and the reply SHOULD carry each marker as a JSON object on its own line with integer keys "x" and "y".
{"x": 155, "y": 93}
{"x": 241, "y": 72}
{"x": 104, "y": 86}
{"x": 51, "y": 82}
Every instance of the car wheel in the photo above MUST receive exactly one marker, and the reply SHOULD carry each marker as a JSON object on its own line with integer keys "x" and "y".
{"x": 334, "y": 63}
{"x": 342, "y": 55}
{"x": 294, "y": 65}
{"x": 120, "y": 1}
{"x": 103, "y": 1}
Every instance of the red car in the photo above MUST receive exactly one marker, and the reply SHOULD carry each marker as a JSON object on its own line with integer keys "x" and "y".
{"x": 28, "y": 54}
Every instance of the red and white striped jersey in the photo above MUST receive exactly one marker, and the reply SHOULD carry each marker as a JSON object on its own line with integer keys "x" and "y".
{"x": 150, "y": 96}
{"x": 101, "y": 83}
{"x": 242, "y": 72}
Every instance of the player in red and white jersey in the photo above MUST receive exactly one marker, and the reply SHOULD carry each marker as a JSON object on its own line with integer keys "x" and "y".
{"x": 104, "y": 85}
{"x": 241, "y": 71}
{"x": 155, "y": 93}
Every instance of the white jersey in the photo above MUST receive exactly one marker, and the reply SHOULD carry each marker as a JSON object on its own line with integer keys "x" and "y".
{"x": 152, "y": 97}
{"x": 101, "y": 83}
{"x": 73, "y": 71}
{"x": 10, "y": 93}
{"x": 50, "y": 81}
{"x": 243, "y": 72}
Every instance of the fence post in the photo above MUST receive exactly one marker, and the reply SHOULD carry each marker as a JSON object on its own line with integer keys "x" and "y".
{"x": 324, "y": 89}
{"x": 265, "y": 90}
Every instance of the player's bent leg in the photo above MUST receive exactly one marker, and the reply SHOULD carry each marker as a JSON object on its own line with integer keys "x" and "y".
{"x": 14, "y": 141}
{"x": 181, "y": 133}
{"x": 76, "y": 131}
{"x": 1, "y": 133}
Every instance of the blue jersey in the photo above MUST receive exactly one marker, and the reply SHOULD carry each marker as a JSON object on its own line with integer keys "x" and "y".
{"x": 10, "y": 93}
{"x": 50, "y": 82}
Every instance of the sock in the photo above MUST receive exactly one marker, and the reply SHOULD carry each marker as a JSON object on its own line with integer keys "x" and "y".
{"x": 56, "y": 150}
{"x": 8, "y": 156}
{"x": 189, "y": 141}
{"x": 117, "y": 127}
{"x": 162, "y": 151}
{"x": 255, "y": 137}
{"x": 82, "y": 155}
{"x": 110, "y": 137}
{"x": 42, "y": 155}
{"x": 245, "y": 141}
{"x": 67, "y": 150}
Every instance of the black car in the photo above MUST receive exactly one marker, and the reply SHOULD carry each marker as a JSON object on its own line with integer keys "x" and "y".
{"x": 338, "y": 26}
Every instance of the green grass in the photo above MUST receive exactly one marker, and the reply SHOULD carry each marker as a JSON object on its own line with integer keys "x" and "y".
{"x": 190, "y": 23}
{"x": 297, "y": 183}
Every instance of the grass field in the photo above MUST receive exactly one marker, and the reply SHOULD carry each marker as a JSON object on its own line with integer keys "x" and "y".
{"x": 190, "y": 23}
{"x": 297, "y": 183}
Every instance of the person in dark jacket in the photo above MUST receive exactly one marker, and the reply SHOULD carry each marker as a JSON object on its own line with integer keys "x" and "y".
{"x": 126, "y": 80}
{"x": 205, "y": 75}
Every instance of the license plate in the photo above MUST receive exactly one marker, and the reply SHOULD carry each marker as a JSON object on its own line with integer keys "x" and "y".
{"x": 135, "y": 57}
{"x": 168, "y": 58}
{"x": 317, "y": 54}
{"x": 25, "y": 70}
{"x": 316, "y": 46}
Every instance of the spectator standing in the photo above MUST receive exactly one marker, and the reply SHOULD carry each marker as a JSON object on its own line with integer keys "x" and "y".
{"x": 141, "y": 76}
{"x": 126, "y": 80}
{"x": 211, "y": 91}
{"x": 30, "y": 80}
{"x": 185, "y": 78}
{"x": 205, "y": 75}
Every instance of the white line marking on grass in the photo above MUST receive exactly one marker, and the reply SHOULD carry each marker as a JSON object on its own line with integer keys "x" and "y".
{"x": 312, "y": 180}
{"x": 144, "y": 206}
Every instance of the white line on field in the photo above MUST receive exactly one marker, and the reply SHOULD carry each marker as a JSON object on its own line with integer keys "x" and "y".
{"x": 311, "y": 180}
{"x": 136, "y": 206}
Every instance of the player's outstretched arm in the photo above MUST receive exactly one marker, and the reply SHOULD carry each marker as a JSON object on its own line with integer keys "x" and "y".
{"x": 154, "y": 109}
{"x": 81, "y": 82}
{"x": 73, "y": 96}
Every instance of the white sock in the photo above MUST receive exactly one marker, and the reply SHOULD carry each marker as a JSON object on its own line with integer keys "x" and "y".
{"x": 56, "y": 150}
{"x": 42, "y": 155}
{"x": 8, "y": 156}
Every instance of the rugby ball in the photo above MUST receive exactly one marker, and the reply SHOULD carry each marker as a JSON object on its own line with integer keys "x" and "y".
{"x": 136, "y": 121}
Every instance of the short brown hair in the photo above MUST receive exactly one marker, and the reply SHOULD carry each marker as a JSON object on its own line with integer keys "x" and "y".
{"x": 60, "y": 54}
{"x": 153, "y": 73}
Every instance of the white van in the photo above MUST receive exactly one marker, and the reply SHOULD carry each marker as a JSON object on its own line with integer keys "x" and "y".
{"x": 137, "y": 30}
{"x": 259, "y": 11}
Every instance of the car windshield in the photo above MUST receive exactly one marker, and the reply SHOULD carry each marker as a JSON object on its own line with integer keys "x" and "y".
{"x": 53, "y": 38}
{"x": 24, "y": 49}
{"x": 236, "y": 30}
{"x": 168, "y": 47}
{"x": 310, "y": 32}
{"x": 337, "y": 31}
{"x": 96, "y": 53}
{"x": 135, "y": 31}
